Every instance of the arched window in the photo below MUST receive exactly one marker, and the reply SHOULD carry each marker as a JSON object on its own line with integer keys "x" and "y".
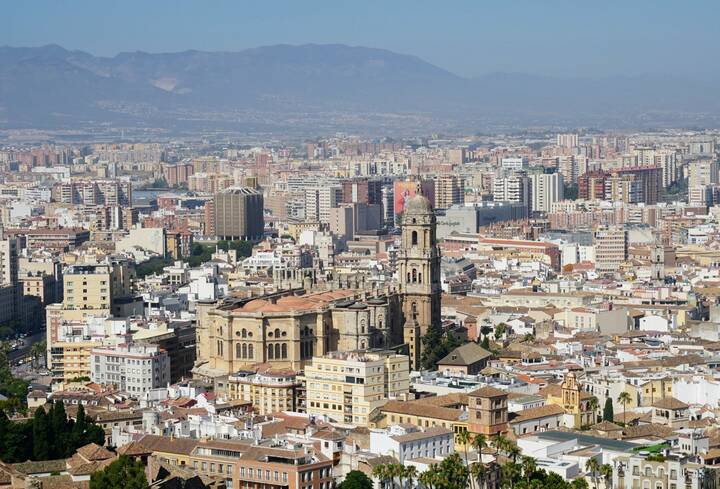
{"x": 362, "y": 345}
{"x": 244, "y": 350}
{"x": 284, "y": 350}
{"x": 362, "y": 326}
{"x": 238, "y": 351}
{"x": 414, "y": 238}
{"x": 414, "y": 275}
{"x": 243, "y": 333}
{"x": 420, "y": 277}
{"x": 250, "y": 351}
{"x": 277, "y": 333}
{"x": 277, "y": 351}
{"x": 270, "y": 352}
{"x": 408, "y": 279}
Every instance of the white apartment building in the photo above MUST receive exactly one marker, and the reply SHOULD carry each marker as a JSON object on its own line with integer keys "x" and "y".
{"x": 546, "y": 189}
{"x": 135, "y": 369}
{"x": 319, "y": 200}
{"x": 409, "y": 442}
{"x": 514, "y": 188}
{"x": 514, "y": 163}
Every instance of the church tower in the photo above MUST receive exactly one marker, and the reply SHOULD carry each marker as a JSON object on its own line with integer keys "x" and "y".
{"x": 419, "y": 269}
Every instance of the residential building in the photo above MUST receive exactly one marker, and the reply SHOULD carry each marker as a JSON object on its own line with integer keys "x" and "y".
{"x": 346, "y": 387}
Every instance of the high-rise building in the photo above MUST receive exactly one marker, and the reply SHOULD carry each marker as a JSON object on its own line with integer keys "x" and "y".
{"x": 611, "y": 248}
{"x": 362, "y": 190}
{"x": 319, "y": 200}
{"x": 703, "y": 171}
{"x": 591, "y": 185}
{"x": 419, "y": 269}
{"x": 448, "y": 191}
{"x": 178, "y": 174}
{"x": 346, "y": 387}
{"x": 238, "y": 214}
{"x": 568, "y": 140}
{"x": 513, "y": 188}
{"x": 546, "y": 188}
{"x": 514, "y": 163}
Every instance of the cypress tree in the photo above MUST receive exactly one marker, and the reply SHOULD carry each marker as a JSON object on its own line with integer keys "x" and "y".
{"x": 41, "y": 432}
{"x": 608, "y": 411}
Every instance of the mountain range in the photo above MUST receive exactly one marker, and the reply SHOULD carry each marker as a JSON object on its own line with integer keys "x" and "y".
{"x": 282, "y": 86}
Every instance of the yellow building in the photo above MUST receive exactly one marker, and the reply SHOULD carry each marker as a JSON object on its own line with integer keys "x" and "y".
{"x": 269, "y": 391}
{"x": 346, "y": 387}
{"x": 90, "y": 292}
{"x": 575, "y": 401}
{"x": 448, "y": 411}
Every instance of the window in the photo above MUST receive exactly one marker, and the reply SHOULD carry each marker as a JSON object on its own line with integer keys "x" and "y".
{"x": 414, "y": 238}
{"x": 270, "y": 352}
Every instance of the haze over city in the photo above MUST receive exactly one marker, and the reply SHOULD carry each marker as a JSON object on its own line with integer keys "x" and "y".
{"x": 359, "y": 245}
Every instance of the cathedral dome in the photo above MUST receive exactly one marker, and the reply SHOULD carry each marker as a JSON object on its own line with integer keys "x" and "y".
{"x": 418, "y": 204}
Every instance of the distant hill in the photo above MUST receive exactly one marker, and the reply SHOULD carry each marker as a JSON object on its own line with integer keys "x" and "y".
{"x": 51, "y": 86}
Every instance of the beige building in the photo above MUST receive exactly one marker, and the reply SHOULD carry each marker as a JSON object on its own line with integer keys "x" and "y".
{"x": 269, "y": 390}
{"x": 611, "y": 248}
{"x": 90, "y": 291}
{"x": 346, "y": 387}
{"x": 449, "y": 190}
{"x": 287, "y": 330}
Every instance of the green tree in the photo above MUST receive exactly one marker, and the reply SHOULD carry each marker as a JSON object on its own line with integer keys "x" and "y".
{"x": 608, "y": 411}
{"x": 606, "y": 471}
{"x": 485, "y": 343}
{"x": 478, "y": 472}
{"x": 123, "y": 473}
{"x": 479, "y": 443}
{"x": 452, "y": 473}
{"x": 624, "y": 398}
{"x": 356, "y": 479}
{"x": 432, "y": 341}
{"x": 382, "y": 473}
{"x": 593, "y": 406}
{"x": 528, "y": 468}
{"x": 593, "y": 466}
{"x": 411, "y": 474}
{"x": 41, "y": 430}
{"x": 500, "y": 330}
{"x": 464, "y": 438}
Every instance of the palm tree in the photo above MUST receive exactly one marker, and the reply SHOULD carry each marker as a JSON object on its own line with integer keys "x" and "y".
{"x": 499, "y": 442}
{"x": 399, "y": 472}
{"x": 624, "y": 398}
{"x": 382, "y": 473}
{"x": 512, "y": 451}
{"x": 37, "y": 351}
{"x": 478, "y": 471}
{"x": 429, "y": 477}
{"x": 463, "y": 438}
{"x": 593, "y": 406}
{"x": 479, "y": 443}
{"x": 528, "y": 467}
{"x": 411, "y": 474}
{"x": 606, "y": 471}
{"x": 592, "y": 466}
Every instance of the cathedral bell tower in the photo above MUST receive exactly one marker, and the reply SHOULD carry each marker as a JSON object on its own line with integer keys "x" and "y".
{"x": 419, "y": 273}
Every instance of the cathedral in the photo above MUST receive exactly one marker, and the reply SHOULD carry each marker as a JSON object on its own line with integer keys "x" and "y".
{"x": 419, "y": 274}
{"x": 286, "y": 329}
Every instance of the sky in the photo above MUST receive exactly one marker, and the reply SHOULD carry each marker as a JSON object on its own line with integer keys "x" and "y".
{"x": 470, "y": 38}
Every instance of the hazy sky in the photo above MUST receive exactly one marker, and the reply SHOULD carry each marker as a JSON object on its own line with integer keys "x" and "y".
{"x": 471, "y": 37}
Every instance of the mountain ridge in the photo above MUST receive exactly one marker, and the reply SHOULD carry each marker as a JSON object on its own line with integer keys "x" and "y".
{"x": 50, "y": 85}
